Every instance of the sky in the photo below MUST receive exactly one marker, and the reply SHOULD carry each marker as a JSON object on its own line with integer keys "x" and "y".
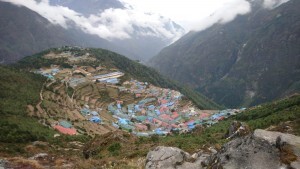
{"x": 112, "y": 24}
{"x": 199, "y": 14}
{"x": 190, "y": 13}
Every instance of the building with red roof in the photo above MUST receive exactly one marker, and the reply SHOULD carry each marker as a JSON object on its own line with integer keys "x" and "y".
{"x": 163, "y": 101}
{"x": 163, "y": 109}
{"x": 203, "y": 115}
{"x": 68, "y": 131}
{"x": 141, "y": 127}
{"x": 166, "y": 117}
{"x": 174, "y": 115}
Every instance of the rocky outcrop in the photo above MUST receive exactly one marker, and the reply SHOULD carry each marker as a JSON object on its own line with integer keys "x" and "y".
{"x": 171, "y": 157}
{"x": 2, "y": 163}
{"x": 247, "y": 152}
{"x": 260, "y": 150}
{"x": 272, "y": 137}
{"x": 237, "y": 129}
{"x": 288, "y": 144}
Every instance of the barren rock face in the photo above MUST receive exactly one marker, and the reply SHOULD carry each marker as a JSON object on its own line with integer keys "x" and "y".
{"x": 248, "y": 152}
{"x": 261, "y": 150}
{"x": 272, "y": 138}
{"x": 170, "y": 158}
{"x": 164, "y": 157}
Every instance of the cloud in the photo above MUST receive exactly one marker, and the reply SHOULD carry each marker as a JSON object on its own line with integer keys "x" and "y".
{"x": 228, "y": 12}
{"x": 193, "y": 14}
{"x": 271, "y": 4}
{"x": 110, "y": 24}
{"x": 231, "y": 10}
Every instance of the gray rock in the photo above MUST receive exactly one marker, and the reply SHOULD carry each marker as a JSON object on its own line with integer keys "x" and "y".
{"x": 295, "y": 164}
{"x": 2, "y": 163}
{"x": 170, "y": 158}
{"x": 260, "y": 150}
{"x": 272, "y": 137}
{"x": 40, "y": 143}
{"x": 195, "y": 156}
{"x": 39, "y": 156}
{"x": 237, "y": 129}
{"x": 247, "y": 152}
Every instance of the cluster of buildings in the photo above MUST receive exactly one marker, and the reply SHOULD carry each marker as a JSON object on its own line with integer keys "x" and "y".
{"x": 92, "y": 116}
{"x": 49, "y": 72}
{"x": 81, "y": 74}
{"x": 74, "y": 77}
{"x": 154, "y": 110}
{"x": 109, "y": 77}
{"x": 160, "y": 111}
{"x": 66, "y": 127}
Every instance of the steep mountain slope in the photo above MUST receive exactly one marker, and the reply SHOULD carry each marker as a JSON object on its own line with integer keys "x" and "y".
{"x": 17, "y": 90}
{"x": 251, "y": 60}
{"x": 144, "y": 41}
{"x": 24, "y": 32}
{"x": 27, "y": 31}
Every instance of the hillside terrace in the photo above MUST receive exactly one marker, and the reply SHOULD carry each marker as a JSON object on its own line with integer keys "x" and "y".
{"x": 154, "y": 110}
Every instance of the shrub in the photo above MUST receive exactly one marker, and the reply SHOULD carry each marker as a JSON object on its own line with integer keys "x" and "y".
{"x": 114, "y": 149}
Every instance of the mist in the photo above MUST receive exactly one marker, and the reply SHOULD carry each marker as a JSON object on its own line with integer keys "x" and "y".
{"x": 225, "y": 14}
{"x": 110, "y": 24}
{"x": 120, "y": 24}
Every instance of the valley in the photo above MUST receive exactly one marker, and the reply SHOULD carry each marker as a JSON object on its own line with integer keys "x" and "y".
{"x": 83, "y": 111}
{"x": 137, "y": 84}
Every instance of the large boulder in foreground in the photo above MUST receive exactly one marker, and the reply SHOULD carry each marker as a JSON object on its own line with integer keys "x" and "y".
{"x": 247, "y": 152}
{"x": 275, "y": 137}
{"x": 288, "y": 144}
{"x": 171, "y": 157}
{"x": 260, "y": 150}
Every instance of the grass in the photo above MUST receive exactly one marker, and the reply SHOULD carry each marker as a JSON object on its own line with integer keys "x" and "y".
{"x": 18, "y": 89}
{"x": 259, "y": 117}
{"x": 131, "y": 69}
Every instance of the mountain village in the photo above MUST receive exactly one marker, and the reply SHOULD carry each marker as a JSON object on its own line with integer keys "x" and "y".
{"x": 144, "y": 110}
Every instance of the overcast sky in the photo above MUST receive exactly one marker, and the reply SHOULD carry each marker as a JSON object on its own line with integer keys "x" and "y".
{"x": 190, "y": 13}
{"x": 120, "y": 23}
{"x": 198, "y": 14}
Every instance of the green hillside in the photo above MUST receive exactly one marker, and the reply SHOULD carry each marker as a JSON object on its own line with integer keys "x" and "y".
{"x": 20, "y": 88}
{"x": 131, "y": 68}
{"x": 259, "y": 117}
{"x": 17, "y": 90}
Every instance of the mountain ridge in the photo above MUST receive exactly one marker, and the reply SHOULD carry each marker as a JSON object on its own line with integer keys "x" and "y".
{"x": 235, "y": 63}
{"x": 141, "y": 41}
{"x": 20, "y": 39}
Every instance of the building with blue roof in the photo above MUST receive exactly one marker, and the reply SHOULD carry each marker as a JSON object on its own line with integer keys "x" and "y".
{"x": 65, "y": 124}
{"x": 126, "y": 127}
{"x": 95, "y": 119}
{"x": 123, "y": 121}
{"x": 94, "y": 113}
{"x": 115, "y": 125}
{"x": 119, "y": 106}
{"x": 85, "y": 111}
